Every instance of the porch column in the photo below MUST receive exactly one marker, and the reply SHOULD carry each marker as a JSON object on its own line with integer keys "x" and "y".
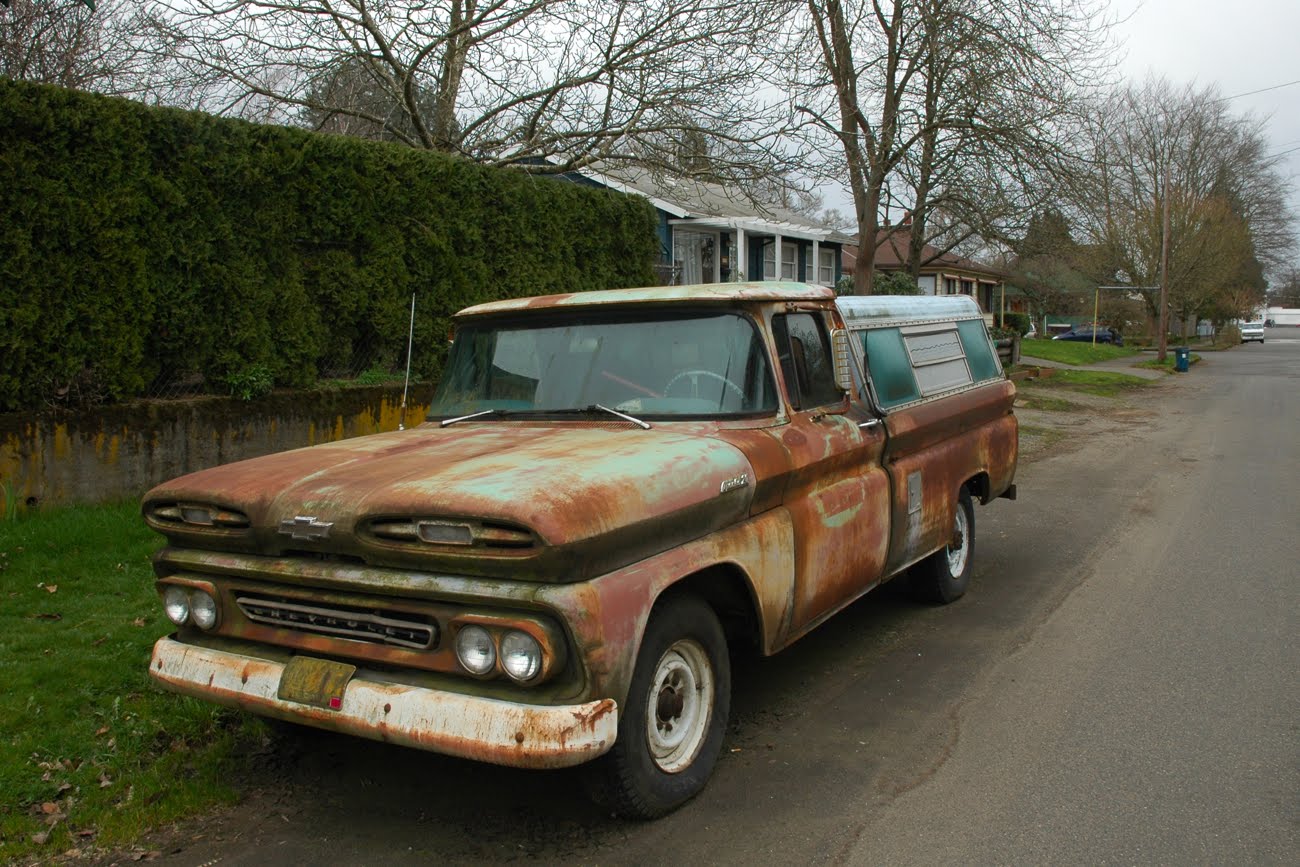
{"x": 740, "y": 260}
{"x": 816, "y": 264}
{"x": 776, "y": 270}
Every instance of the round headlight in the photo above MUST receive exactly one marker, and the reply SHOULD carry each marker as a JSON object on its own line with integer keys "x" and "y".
{"x": 176, "y": 602}
{"x": 521, "y": 655}
{"x": 203, "y": 608}
{"x": 475, "y": 650}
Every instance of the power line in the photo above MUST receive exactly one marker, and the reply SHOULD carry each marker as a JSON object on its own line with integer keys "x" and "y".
{"x": 1261, "y": 90}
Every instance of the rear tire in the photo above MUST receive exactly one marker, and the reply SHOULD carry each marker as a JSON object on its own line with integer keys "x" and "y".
{"x": 671, "y": 726}
{"x": 944, "y": 575}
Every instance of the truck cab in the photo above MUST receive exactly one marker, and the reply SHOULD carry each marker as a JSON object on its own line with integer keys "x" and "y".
{"x": 612, "y": 492}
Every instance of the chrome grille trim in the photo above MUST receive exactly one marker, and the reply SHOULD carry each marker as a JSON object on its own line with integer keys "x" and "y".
{"x": 372, "y": 626}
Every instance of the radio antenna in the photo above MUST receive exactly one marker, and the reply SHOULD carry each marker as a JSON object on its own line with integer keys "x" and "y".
{"x": 410, "y": 339}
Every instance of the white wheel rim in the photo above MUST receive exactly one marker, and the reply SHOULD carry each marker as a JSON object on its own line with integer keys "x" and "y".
{"x": 679, "y": 706}
{"x": 961, "y": 534}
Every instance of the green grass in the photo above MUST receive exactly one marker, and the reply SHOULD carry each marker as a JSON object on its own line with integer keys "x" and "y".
{"x": 93, "y": 754}
{"x": 1098, "y": 382}
{"x": 1071, "y": 352}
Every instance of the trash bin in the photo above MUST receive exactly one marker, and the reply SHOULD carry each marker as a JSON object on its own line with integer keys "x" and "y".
{"x": 1182, "y": 359}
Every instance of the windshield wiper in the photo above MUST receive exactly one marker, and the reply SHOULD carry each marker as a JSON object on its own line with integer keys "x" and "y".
{"x": 447, "y": 421}
{"x": 644, "y": 425}
{"x": 575, "y": 410}
{"x": 594, "y": 408}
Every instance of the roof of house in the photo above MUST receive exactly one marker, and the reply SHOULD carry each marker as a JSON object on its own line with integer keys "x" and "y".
{"x": 891, "y": 255}
{"x": 702, "y": 203}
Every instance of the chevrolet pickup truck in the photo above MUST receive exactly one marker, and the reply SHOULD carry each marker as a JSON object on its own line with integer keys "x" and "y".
{"x": 613, "y": 491}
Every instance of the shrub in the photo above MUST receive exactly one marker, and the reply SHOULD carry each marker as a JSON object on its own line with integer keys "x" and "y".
{"x": 1017, "y": 322}
{"x": 144, "y": 245}
{"x": 894, "y": 283}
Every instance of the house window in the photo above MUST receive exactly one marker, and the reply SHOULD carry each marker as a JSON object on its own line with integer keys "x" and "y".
{"x": 949, "y": 286}
{"x": 789, "y": 261}
{"x": 826, "y": 267}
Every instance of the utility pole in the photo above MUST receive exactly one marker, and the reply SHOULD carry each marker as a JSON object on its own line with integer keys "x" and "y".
{"x": 1163, "y": 341}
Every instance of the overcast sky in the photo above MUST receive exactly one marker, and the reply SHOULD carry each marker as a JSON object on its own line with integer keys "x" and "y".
{"x": 1240, "y": 45}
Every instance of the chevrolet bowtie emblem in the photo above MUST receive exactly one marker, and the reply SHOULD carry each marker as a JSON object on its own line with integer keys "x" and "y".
{"x": 303, "y": 527}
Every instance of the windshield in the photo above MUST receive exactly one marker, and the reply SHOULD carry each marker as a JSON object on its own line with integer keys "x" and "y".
{"x": 684, "y": 364}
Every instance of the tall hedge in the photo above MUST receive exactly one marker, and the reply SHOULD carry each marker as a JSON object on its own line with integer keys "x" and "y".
{"x": 139, "y": 244}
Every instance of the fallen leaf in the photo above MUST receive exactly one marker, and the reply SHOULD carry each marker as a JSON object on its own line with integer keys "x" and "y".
{"x": 72, "y": 853}
{"x": 51, "y": 588}
{"x": 49, "y": 807}
{"x": 139, "y": 621}
{"x": 63, "y": 787}
{"x": 87, "y": 832}
{"x": 39, "y": 839}
{"x": 50, "y": 616}
{"x": 98, "y": 641}
{"x": 103, "y": 730}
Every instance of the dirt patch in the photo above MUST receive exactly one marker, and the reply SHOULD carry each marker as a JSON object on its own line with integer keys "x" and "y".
{"x": 1053, "y": 419}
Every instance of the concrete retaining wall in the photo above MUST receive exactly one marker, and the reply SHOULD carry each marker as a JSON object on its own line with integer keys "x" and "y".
{"x": 121, "y": 451}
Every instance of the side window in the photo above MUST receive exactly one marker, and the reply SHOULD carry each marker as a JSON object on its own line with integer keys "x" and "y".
{"x": 983, "y": 363}
{"x": 937, "y": 358}
{"x": 889, "y": 367}
{"x": 805, "y": 355}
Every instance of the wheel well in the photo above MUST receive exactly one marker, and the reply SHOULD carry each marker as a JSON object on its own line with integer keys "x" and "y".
{"x": 978, "y": 485}
{"x": 727, "y": 592}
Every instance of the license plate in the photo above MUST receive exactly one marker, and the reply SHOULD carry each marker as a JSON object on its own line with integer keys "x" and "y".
{"x": 317, "y": 682}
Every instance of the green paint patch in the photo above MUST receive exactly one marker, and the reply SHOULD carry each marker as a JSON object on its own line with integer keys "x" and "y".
{"x": 93, "y": 753}
{"x": 1072, "y": 352}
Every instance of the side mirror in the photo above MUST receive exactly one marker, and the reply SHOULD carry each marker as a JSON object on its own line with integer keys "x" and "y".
{"x": 842, "y": 354}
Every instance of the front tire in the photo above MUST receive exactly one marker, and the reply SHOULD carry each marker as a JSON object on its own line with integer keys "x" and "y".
{"x": 944, "y": 576}
{"x": 671, "y": 728}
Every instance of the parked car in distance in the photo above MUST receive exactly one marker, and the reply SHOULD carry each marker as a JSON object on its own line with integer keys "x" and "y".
{"x": 1085, "y": 334}
{"x": 1252, "y": 331}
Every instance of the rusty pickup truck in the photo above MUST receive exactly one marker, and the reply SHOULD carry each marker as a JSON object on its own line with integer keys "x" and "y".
{"x": 613, "y": 491}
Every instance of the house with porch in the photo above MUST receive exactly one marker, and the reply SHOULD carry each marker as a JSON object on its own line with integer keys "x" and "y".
{"x": 711, "y": 234}
{"x": 940, "y": 273}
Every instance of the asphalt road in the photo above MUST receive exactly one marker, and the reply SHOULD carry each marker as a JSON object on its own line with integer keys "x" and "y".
{"x": 1119, "y": 686}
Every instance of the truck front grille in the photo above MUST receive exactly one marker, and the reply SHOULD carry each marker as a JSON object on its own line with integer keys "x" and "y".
{"x": 375, "y": 626}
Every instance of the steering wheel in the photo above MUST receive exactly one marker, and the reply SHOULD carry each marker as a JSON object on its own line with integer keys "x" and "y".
{"x": 737, "y": 390}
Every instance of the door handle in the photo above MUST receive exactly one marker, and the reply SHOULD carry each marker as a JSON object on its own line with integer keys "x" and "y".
{"x": 870, "y": 423}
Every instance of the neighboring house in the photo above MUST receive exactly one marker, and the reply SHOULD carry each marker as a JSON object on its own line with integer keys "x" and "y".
{"x": 942, "y": 273}
{"x": 708, "y": 234}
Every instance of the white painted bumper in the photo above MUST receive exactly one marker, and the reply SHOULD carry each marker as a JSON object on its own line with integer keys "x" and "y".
{"x": 501, "y": 732}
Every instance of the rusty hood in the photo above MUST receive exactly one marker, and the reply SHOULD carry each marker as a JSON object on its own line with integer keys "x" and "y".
{"x": 574, "y": 499}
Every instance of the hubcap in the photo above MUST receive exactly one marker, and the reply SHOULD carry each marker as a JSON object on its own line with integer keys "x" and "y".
{"x": 958, "y": 550}
{"x": 679, "y": 706}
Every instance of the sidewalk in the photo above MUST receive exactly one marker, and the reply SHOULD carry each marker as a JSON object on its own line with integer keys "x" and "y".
{"x": 1114, "y": 365}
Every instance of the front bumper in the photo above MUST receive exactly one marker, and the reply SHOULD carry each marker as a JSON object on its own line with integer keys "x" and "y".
{"x": 471, "y": 727}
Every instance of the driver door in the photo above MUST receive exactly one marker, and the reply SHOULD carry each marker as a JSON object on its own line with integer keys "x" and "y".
{"x": 837, "y": 493}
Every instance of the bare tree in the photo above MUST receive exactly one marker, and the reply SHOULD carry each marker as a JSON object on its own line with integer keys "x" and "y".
{"x": 954, "y": 107}
{"x": 549, "y": 85}
{"x": 1184, "y": 190}
{"x": 66, "y": 42}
